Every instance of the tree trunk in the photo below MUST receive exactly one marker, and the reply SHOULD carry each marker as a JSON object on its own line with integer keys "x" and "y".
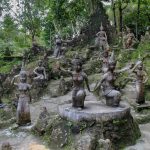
{"x": 138, "y": 16}
{"x": 120, "y": 18}
{"x": 114, "y": 13}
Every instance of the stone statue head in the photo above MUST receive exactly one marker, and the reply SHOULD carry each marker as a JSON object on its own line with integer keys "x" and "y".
{"x": 57, "y": 36}
{"x": 23, "y": 76}
{"x": 40, "y": 63}
{"x": 140, "y": 66}
{"x": 78, "y": 66}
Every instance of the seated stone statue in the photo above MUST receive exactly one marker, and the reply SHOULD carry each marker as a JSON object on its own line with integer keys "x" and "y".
{"x": 101, "y": 40}
{"x": 141, "y": 79}
{"x": 23, "y": 110}
{"x": 78, "y": 93}
{"x": 39, "y": 72}
{"x": 107, "y": 84}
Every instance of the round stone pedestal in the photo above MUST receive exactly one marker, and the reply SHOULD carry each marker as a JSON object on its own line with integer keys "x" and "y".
{"x": 93, "y": 111}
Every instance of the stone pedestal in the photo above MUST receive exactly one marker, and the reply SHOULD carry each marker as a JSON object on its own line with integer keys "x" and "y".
{"x": 97, "y": 126}
{"x": 93, "y": 111}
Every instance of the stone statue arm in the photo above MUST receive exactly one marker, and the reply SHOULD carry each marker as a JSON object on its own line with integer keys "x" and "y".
{"x": 65, "y": 71}
{"x": 106, "y": 36}
{"x": 133, "y": 69}
{"x": 97, "y": 34}
{"x": 13, "y": 80}
{"x": 146, "y": 77}
{"x": 45, "y": 76}
{"x": 35, "y": 71}
{"x": 98, "y": 84}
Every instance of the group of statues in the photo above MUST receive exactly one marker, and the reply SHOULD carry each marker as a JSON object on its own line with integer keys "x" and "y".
{"x": 106, "y": 84}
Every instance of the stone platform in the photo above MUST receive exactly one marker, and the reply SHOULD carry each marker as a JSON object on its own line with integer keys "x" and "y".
{"x": 93, "y": 111}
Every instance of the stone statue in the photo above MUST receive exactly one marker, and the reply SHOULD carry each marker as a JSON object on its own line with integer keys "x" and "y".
{"x": 59, "y": 50}
{"x": 101, "y": 39}
{"x": 39, "y": 72}
{"x": 141, "y": 79}
{"x": 23, "y": 110}
{"x": 6, "y": 146}
{"x": 78, "y": 93}
{"x": 130, "y": 40}
{"x": 107, "y": 84}
{"x": 42, "y": 121}
{"x": 62, "y": 89}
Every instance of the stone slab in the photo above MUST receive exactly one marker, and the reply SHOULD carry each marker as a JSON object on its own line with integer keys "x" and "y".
{"x": 93, "y": 111}
{"x": 146, "y": 105}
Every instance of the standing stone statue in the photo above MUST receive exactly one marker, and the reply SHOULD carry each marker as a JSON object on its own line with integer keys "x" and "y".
{"x": 130, "y": 40}
{"x": 101, "y": 40}
{"x": 23, "y": 109}
{"x": 59, "y": 50}
{"x": 78, "y": 93}
{"x": 141, "y": 79}
{"x": 40, "y": 72}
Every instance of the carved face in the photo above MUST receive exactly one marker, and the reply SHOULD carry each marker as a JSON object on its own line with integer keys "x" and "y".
{"x": 40, "y": 63}
{"x": 140, "y": 66}
{"x": 78, "y": 67}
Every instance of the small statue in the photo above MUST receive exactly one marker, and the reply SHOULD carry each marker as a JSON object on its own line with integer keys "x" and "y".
{"x": 42, "y": 121}
{"x": 23, "y": 110}
{"x": 78, "y": 93}
{"x": 59, "y": 50}
{"x": 62, "y": 89}
{"x": 6, "y": 146}
{"x": 40, "y": 72}
{"x": 101, "y": 39}
{"x": 141, "y": 79}
{"x": 130, "y": 39}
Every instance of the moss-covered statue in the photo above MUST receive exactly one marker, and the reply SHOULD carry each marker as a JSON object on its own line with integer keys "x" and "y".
{"x": 23, "y": 109}
{"x": 141, "y": 79}
{"x": 78, "y": 92}
{"x": 40, "y": 72}
{"x": 101, "y": 40}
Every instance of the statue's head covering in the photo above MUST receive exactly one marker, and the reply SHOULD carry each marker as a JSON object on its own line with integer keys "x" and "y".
{"x": 112, "y": 59}
{"x": 23, "y": 73}
{"x": 101, "y": 27}
{"x": 57, "y": 36}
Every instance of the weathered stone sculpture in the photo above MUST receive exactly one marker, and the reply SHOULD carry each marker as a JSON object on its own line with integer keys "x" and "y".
{"x": 112, "y": 95}
{"x": 141, "y": 79}
{"x": 23, "y": 110}
{"x": 101, "y": 40}
{"x": 59, "y": 50}
{"x": 130, "y": 40}
{"x": 78, "y": 93}
{"x": 40, "y": 72}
